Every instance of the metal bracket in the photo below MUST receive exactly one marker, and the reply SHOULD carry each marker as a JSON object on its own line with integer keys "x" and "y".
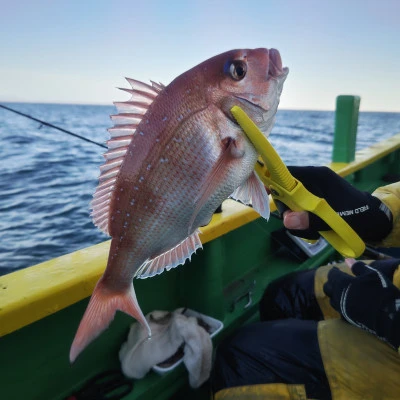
{"x": 247, "y": 295}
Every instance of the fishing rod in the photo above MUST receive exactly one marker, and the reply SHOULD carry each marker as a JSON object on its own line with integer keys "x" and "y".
{"x": 52, "y": 126}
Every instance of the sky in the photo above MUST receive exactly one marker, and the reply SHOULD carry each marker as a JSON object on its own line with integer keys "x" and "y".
{"x": 80, "y": 51}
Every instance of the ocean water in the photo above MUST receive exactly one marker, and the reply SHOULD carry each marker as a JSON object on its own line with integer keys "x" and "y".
{"x": 48, "y": 177}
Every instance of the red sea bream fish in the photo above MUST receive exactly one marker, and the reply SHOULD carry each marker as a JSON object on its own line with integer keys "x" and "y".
{"x": 174, "y": 155}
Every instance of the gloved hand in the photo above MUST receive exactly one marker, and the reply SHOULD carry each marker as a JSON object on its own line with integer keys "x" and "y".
{"x": 369, "y": 300}
{"x": 387, "y": 267}
{"x": 366, "y": 214}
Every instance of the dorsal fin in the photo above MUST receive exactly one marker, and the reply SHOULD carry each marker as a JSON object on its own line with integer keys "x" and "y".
{"x": 130, "y": 114}
{"x": 157, "y": 86}
{"x": 171, "y": 258}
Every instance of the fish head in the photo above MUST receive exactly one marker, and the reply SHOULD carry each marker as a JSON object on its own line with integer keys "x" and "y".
{"x": 250, "y": 79}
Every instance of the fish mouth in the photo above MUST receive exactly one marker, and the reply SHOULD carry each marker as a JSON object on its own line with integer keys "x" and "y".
{"x": 275, "y": 67}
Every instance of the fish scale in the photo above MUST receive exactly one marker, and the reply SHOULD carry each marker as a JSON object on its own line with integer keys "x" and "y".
{"x": 174, "y": 155}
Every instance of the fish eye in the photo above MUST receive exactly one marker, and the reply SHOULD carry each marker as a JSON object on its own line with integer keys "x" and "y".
{"x": 238, "y": 69}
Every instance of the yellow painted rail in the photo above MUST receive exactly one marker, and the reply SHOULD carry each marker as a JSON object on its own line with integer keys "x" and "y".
{"x": 33, "y": 293}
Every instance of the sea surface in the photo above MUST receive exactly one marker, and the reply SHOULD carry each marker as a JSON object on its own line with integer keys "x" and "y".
{"x": 47, "y": 177}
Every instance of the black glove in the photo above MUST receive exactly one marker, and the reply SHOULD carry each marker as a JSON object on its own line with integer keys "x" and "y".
{"x": 369, "y": 300}
{"x": 366, "y": 214}
{"x": 387, "y": 267}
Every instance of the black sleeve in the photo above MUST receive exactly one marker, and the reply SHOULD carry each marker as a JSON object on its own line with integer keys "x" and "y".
{"x": 366, "y": 214}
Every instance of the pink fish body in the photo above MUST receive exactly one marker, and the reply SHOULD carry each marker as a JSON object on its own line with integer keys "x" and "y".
{"x": 174, "y": 155}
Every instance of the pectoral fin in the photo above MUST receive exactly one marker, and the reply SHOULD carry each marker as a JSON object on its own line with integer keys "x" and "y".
{"x": 253, "y": 192}
{"x": 231, "y": 150}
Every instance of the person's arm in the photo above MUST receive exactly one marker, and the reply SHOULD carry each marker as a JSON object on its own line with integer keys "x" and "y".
{"x": 374, "y": 217}
{"x": 368, "y": 300}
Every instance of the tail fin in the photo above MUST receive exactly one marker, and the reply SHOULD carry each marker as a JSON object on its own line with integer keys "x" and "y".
{"x": 100, "y": 312}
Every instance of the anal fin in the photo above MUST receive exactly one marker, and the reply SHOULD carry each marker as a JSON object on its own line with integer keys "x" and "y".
{"x": 171, "y": 258}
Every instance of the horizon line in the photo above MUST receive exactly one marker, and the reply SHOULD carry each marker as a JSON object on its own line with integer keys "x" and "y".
{"x": 112, "y": 105}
